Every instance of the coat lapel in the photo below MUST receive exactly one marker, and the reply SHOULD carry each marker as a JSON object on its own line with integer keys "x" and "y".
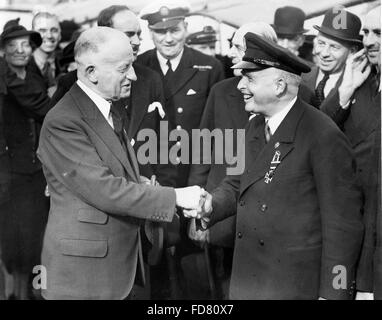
{"x": 98, "y": 123}
{"x": 282, "y": 141}
{"x": 183, "y": 73}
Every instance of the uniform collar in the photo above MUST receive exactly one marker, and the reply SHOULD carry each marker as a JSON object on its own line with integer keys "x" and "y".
{"x": 275, "y": 121}
{"x": 174, "y": 62}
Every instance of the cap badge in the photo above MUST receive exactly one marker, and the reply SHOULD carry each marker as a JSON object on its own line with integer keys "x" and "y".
{"x": 164, "y": 11}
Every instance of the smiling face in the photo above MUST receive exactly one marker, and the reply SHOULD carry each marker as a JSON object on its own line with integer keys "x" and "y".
{"x": 372, "y": 36}
{"x": 127, "y": 22}
{"x": 170, "y": 42}
{"x": 18, "y": 51}
{"x": 331, "y": 54}
{"x": 259, "y": 90}
{"x": 50, "y": 31}
{"x": 114, "y": 73}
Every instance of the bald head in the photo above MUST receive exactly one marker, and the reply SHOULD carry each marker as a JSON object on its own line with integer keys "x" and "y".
{"x": 110, "y": 75}
{"x": 237, "y": 50}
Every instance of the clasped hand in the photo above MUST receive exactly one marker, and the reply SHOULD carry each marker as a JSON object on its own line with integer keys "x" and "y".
{"x": 195, "y": 201}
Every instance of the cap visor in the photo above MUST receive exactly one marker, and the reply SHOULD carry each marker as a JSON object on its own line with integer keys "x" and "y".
{"x": 247, "y": 65}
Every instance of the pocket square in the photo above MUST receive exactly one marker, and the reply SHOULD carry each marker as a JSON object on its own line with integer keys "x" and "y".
{"x": 156, "y": 105}
{"x": 132, "y": 142}
{"x": 191, "y": 92}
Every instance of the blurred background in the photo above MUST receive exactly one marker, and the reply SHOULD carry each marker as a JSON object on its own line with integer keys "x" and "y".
{"x": 223, "y": 15}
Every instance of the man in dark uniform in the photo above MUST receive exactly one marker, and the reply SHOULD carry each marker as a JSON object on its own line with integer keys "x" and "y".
{"x": 187, "y": 74}
{"x": 298, "y": 222}
{"x": 356, "y": 108}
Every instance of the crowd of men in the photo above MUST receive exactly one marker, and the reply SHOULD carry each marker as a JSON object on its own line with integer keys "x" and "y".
{"x": 301, "y": 221}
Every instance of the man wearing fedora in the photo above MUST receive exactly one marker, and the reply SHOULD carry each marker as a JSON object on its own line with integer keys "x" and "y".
{"x": 356, "y": 108}
{"x": 289, "y": 27}
{"x": 338, "y": 36}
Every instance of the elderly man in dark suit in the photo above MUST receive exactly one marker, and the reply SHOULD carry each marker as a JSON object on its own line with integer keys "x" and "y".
{"x": 187, "y": 74}
{"x": 338, "y": 36}
{"x": 356, "y": 108}
{"x": 92, "y": 247}
{"x": 298, "y": 220}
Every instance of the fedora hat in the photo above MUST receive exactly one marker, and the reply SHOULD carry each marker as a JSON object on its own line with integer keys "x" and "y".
{"x": 17, "y": 31}
{"x": 332, "y": 26}
{"x": 289, "y": 21}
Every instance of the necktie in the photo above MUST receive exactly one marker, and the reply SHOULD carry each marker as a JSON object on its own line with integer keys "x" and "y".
{"x": 49, "y": 74}
{"x": 320, "y": 96}
{"x": 118, "y": 125}
{"x": 267, "y": 132}
{"x": 169, "y": 72}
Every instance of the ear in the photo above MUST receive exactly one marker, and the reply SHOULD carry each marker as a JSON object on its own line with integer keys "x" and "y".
{"x": 91, "y": 73}
{"x": 280, "y": 86}
{"x": 301, "y": 40}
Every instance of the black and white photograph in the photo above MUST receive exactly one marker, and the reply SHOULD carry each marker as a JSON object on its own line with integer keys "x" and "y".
{"x": 190, "y": 150}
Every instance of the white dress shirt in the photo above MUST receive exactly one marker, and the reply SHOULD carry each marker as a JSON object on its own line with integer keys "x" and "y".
{"x": 174, "y": 62}
{"x": 102, "y": 104}
{"x": 331, "y": 83}
{"x": 275, "y": 121}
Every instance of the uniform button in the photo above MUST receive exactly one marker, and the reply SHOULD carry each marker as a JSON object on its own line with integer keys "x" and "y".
{"x": 242, "y": 203}
{"x": 6, "y": 148}
{"x": 178, "y": 127}
{"x": 263, "y": 207}
{"x": 180, "y": 110}
{"x": 177, "y": 159}
{"x": 261, "y": 242}
{"x": 239, "y": 235}
{"x": 178, "y": 143}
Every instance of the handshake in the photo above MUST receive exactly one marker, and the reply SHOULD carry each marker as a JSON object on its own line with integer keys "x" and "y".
{"x": 195, "y": 201}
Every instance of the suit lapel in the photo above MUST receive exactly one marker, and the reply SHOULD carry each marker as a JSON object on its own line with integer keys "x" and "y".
{"x": 281, "y": 142}
{"x": 98, "y": 123}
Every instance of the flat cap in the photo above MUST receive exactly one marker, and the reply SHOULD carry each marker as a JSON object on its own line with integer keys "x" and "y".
{"x": 261, "y": 54}
{"x": 164, "y": 14}
{"x": 207, "y": 35}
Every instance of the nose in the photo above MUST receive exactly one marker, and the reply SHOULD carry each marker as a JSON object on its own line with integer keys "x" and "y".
{"x": 19, "y": 48}
{"x": 135, "y": 40}
{"x": 324, "y": 51}
{"x": 168, "y": 37}
{"x": 131, "y": 74}
{"x": 369, "y": 39}
{"x": 242, "y": 84}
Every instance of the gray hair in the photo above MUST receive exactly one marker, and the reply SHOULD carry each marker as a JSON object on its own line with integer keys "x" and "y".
{"x": 46, "y": 15}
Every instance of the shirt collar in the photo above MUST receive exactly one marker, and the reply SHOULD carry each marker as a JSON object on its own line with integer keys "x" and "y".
{"x": 102, "y": 104}
{"x": 275, "y": 121}
{"x": 40, "y": 59}
{"x": 174, "y": 62}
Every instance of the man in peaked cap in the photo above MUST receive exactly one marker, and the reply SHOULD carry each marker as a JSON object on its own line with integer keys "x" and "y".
{"x": 338, "y": 36}
{"x": 298, "y": 222}
{"x": 289, "y": 27}
{"x": 203, "y": 41}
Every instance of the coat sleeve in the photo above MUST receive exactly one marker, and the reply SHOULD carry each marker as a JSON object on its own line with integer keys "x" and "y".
{"x": 332, "y": 108}
{"x": 67, "y": 153}
{"x": 339, "y": 199}
{"x": 29, "y": 94}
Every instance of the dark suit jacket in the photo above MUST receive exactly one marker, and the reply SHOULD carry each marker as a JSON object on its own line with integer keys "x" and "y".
{"x": 186, "y": 94}
{"x": 308, "y": 86}
{"x": 92, "y": 244}
{"x": 361, "y": 123}
{"x": 292, "y": 231}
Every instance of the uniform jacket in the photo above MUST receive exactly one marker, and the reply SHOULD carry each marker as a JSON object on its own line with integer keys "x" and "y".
{"x": 292, "y": 231}
{"x": 186, "y": 94}
{"x": 361, "y": 123}
{"x": 25, "y": 106}
{"x": 92, "y": 244}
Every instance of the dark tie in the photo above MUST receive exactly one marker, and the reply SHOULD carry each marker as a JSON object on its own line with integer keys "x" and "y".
{"x": 267, "y": 132}
{"x": 320, "y": 96}
{"x": 169, "y": 72}
{"x": 48, "y": 73}
{"x": 118, "y": 125}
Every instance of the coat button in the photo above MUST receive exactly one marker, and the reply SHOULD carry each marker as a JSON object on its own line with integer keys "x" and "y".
{"x": 178, "y": 143}
{"x": 177, "y": 160}
{"x": 180, "y": 110}
{"x": 261, "y": 242}
{"x": 239, "y": 235}
{"x": 178, "y": 127}
{"x": 242, "y": 203}
{"x": 263, "y": 207}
